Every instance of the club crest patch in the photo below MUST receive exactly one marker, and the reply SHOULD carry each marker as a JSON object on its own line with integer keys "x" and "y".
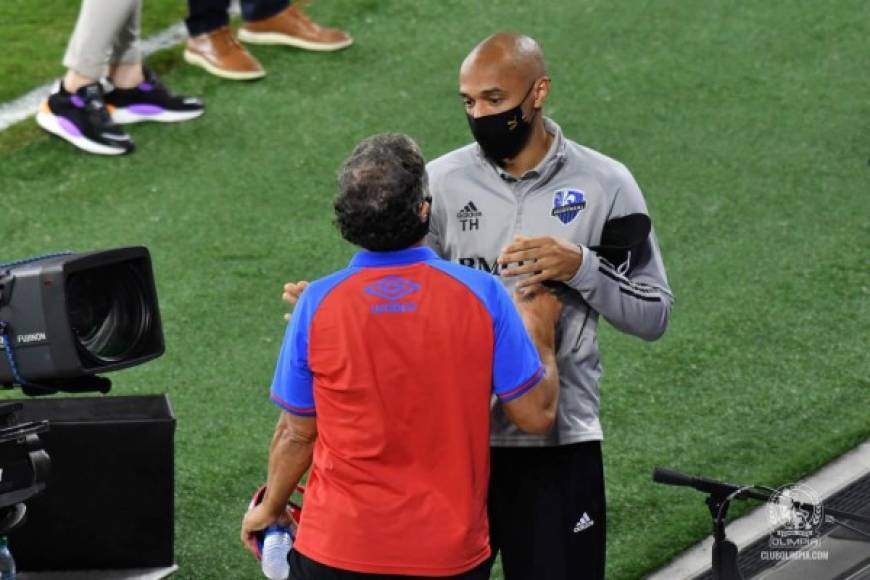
{"x": 567, "y": 204}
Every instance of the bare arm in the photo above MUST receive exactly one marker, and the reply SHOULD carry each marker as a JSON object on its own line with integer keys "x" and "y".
{"x": 535, "y": 411}
{"x": 290, "y": 456}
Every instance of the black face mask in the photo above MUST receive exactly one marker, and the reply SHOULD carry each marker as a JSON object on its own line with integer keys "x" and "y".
{"x": 503, "y": 135}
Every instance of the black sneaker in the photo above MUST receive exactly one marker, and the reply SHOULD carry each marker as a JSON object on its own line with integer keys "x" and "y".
{"x": 151, "y": 101}
{"x": 82, "y": 119}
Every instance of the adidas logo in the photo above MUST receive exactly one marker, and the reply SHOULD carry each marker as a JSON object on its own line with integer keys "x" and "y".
{"x": 584, "y": 524}
{"x": 469, "y": 211}
{"x": 469, "y": 217}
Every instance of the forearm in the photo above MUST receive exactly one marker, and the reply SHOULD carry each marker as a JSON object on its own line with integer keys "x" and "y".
{"x": 546, "y": 393}
{"x": 290, "y": 456}
{"x": 548, "y": 388}
{"x": 638, "y": 309}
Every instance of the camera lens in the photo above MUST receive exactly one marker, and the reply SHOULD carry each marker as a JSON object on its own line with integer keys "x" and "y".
{"x": 109, "y": 312}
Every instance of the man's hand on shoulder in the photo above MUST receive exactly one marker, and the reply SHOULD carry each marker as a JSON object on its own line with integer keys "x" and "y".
{"x": 545, "y": 258}
{"x": 292, "y": 292}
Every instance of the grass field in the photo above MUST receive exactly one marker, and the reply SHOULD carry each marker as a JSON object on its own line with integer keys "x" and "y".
{"x": 745, "y": 123}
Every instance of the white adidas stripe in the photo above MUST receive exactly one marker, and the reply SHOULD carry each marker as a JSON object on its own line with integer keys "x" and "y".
{"x": 635, "y": 286}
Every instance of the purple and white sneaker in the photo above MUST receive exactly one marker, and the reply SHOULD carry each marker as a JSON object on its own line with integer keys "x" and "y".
{"x": 151, "y": 101}
{"x": 82, "y": 119}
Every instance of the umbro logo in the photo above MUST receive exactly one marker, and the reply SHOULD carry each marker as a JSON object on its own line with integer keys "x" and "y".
{"x": 469, "y": 216}
{"x": 584, "y": 523}
{"x": 392, "y": 288}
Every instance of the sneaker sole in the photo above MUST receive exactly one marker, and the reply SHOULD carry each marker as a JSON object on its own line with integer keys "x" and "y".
{"x": 283, "y": 39}
{"x": 124, "y": 116}
{"x": 196, "y": 60}
{"x": 51, "y": 124}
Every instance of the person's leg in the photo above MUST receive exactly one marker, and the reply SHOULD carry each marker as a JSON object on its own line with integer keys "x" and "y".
{"x": 93, "y": 40}
{"x": 203, "y": 16}
{"x": 550, "y": 513}
{"x": 137, "y": 94}
{"x": 74, "y": 80}
{"x": 126, "y": 76}
{"x": 262, "y": 9}
{"x": 499, "y": 476}
{"x": 125, "y": 64}
{"x": 76, "y": 111}
{"x": 304, "y": 568}
{"x": 515, "y": 485}
{"x": 585, "y": 508}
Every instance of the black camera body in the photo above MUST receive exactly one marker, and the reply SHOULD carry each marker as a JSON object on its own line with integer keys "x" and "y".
{"x": 69, "y": 317}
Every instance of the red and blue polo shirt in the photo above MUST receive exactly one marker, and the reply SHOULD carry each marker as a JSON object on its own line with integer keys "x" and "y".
{"x": 397, "y": 356}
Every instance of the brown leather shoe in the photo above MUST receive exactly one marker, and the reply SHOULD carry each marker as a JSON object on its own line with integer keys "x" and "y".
{"x": 220, "y": 53}
{"x": 293, "y": 27}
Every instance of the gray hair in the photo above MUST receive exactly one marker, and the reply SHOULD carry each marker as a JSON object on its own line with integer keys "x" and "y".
{"x": 381, "y": 186}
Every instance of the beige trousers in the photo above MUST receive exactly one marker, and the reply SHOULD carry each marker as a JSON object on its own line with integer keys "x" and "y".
{"x": 106, "y": 33}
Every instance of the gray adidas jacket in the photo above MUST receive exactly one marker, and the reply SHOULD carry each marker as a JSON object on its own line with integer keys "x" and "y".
{"x": 477, "y": 210}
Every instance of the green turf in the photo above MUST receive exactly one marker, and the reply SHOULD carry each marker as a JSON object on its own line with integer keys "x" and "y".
{"x": 744, "y": 123}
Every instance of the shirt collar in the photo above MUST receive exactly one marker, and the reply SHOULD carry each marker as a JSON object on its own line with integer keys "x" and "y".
{"x": 367, "y": 259}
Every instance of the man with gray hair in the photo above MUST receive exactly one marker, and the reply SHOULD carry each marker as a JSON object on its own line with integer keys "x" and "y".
{"x": 527, "y": 204}
{"x": 384, "y": 381}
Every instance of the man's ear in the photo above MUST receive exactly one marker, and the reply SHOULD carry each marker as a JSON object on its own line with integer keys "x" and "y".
{"x": 426, "y": 208}
{"x": 542, "y": 91}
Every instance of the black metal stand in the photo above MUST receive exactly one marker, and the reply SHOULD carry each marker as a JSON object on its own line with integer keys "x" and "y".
{"x": 21, "y": 454}
{"x": 724, "y": 550}
{"x": 719, "y": 496}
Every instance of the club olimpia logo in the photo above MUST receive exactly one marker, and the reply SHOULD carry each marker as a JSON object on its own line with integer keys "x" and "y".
{"x": 797, "y": 513}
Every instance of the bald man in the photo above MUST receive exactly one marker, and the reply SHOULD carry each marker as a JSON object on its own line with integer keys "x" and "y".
{"x": 534, "y": 208}
{"x": 529, "y": 205}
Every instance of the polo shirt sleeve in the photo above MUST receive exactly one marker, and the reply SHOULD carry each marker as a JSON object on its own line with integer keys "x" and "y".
{"x": 293, "y": 385}
{"x": 517, "y": 367}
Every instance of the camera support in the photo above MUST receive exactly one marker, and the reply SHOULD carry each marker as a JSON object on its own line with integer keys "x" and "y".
{"x": 28, "y": 464}
{"x": 719, "y": 496}
{"x": 724, "y": 550}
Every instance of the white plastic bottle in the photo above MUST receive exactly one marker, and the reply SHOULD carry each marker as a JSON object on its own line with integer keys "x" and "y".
{"x": 7, "y": 564}
{"x": 276, "y": 546}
